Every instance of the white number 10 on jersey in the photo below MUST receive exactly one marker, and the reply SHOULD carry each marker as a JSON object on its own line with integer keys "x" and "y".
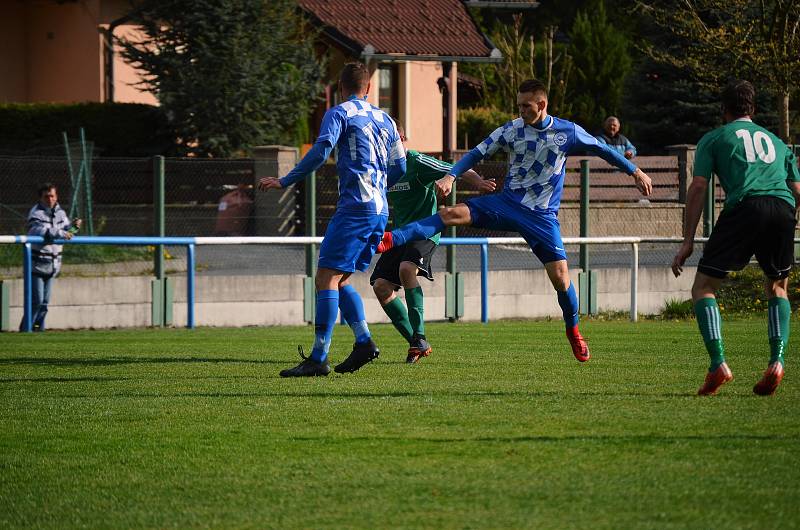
{"x": 759, "y": 143}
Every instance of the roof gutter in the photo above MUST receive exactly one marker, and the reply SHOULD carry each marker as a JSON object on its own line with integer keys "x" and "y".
{"x": 368, "y": 54}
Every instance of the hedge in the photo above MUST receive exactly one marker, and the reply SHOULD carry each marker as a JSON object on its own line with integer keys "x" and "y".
{"x": 474, "y": 125}
{"x": 117, "y": 129}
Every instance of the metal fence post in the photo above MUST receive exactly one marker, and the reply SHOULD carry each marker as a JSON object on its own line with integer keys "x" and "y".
{"x": 5, "y": 303}
{"x": 708, "y": 210}
{"x": 587, "y": 279}
{"x": 158, "y": 310}
{"x": 190, "y": 276}
{"x": 634, "y": 281}
{"x": 455, "y": 308}
{"x": 27, "y": 291}
{"x": 309, "y": 287}
{"x": 484, "y": 283}
{"x": 584, "y": 228}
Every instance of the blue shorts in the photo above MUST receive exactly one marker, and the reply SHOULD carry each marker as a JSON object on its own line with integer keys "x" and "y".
{"x": 540, "y": 229}
{"x": 351, "y": 240}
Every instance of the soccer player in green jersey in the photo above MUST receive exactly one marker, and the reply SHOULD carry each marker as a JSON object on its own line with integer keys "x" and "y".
{"x": 412, "y": 198}
{"x": 762, "y": 185}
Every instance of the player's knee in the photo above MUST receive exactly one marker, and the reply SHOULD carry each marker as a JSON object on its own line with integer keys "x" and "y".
{"x": 453, "y": 215}
{"x": 382, "y": 289}
{"x": 773, "y": 288}
{"x": 408, "y": 271}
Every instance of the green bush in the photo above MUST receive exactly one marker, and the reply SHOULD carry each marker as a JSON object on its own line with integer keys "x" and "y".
{"x": 117, "y": 129}
{"x": 675, "y": 308}
{"x": 476, "y": 124}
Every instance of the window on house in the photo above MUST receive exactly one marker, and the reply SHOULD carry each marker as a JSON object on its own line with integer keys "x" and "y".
{"x": 387, "y": 89}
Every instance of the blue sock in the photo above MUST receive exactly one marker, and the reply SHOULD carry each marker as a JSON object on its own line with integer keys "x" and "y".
{"x": 327, "y": 311}
{"x": 422, "y": 229}
{"x": 568, "y": 301}
{"x": 353, "y": 312}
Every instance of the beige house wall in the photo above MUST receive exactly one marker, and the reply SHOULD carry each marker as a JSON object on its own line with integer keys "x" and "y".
{"x": 424, "y": 119}
{"x": 64, "y": 52}
{"x": 53, "y": 52}
{"x": 126, "y": 76}
{"x": 14, "y": 76}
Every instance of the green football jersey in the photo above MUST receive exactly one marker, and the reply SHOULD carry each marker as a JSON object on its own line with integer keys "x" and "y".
{"x": 749, "y": 161}
{"x": 413, "y": 197}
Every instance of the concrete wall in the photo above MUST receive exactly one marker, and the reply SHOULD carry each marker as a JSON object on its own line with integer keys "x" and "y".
{"x": 278, "y": 300}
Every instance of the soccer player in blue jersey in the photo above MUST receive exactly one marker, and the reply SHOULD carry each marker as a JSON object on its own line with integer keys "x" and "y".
{"x": 537, "y": 145}
{"x": 370, "y": 157}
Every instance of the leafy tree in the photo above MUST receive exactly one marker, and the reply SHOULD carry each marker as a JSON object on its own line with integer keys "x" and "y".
{"x": 230, "y": 74}
{"x": 602, "y": 61}
{"x": 758, "y": 40}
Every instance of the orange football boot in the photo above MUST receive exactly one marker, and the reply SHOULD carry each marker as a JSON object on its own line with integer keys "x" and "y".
{"x": 770, "y": 381}
{"x": 579, "y": 347}
{"x": 716, "y": 379}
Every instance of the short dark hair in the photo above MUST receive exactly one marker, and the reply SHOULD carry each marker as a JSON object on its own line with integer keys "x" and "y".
{"x": 739, "y": 98}
{"x": 46, "y": 186}
{"x": 533, "y": 86}
{"x": 354, "y": 77}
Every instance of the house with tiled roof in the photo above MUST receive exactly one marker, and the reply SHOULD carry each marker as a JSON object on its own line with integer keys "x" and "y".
{"x": 66, "y": 51}
{"x": 413, "y": 48}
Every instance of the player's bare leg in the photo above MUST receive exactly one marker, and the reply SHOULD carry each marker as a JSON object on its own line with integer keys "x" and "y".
{"x": 558, "y": 272}
{"x": 710, "y": 323}
{"x": 779, "y": 312}
{"x": 419, "y": 346}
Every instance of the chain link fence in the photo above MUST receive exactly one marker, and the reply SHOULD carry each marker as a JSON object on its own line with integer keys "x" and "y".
{"x": 206, "y": 197}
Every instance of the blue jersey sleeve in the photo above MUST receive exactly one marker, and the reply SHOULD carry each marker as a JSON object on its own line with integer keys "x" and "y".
{"x": 331, "y": 128}
{"x": 467, "y": 162}
{"x": 315, "y": 157}
{"x": 586, "y": 142}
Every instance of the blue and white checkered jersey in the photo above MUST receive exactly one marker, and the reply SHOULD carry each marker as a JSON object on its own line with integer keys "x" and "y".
{"x": 536, "y": 157}
{"x": 369, "y": 155}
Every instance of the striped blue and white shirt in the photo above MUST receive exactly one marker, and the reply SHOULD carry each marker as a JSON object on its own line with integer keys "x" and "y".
{"x": 369, "y": 155}
{"x": 536, "y": 158}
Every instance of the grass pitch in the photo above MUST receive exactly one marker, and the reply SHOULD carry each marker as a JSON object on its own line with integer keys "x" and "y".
{"x": 499, "y": 428}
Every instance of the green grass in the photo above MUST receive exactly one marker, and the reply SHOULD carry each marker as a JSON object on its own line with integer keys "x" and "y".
{"x": 11, "y": 255}
{"x": 499, "y": 428}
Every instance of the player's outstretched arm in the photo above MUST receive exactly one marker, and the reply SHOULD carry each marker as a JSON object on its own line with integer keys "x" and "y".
{"x": 695, "y": 198}
{"x": 478, "y": 182}
{"x": 586, "y": 142}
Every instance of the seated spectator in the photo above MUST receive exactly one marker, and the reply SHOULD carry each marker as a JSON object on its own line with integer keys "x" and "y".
{"x": 612, "y": 137}
{"x": 49, "y": 220}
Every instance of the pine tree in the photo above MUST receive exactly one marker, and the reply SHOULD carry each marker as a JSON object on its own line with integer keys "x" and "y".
{"x": 601, "y": 63}
{"x": 230, "y": 74}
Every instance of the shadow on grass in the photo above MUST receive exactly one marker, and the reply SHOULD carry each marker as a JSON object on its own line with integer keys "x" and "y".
{"x": 336, "y": 393}
{"x": 625, "y": 438}
{"x": 52, "y": 361}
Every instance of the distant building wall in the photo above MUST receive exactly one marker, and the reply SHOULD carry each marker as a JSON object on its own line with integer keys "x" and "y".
{"x": 14, "y": 77}
{"x": 64, "y": 52}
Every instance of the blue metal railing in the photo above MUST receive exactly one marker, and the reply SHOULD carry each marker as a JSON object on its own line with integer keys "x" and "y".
{"x": 190, "y": 243}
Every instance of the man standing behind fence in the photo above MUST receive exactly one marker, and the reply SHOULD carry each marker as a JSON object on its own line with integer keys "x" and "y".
{"x": 762, "y": 185}
{"x": 537, "y": 145}
{"x": 48, "y": 220}
{"x": 370, "y": 157}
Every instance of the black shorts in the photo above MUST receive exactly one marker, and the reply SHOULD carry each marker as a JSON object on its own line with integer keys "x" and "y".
{"x": 763, "y": 226}
{"x": 417, "y": 252}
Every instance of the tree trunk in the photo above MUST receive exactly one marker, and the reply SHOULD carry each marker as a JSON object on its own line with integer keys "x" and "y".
{"x": 783, "y": 112}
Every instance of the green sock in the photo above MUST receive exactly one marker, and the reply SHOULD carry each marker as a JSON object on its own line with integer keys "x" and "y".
{"x": 399, "y": 317}
{"x": 778, "y": 311}
{"x": 416, "y": 310}
{"x": 710, "y": 324}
